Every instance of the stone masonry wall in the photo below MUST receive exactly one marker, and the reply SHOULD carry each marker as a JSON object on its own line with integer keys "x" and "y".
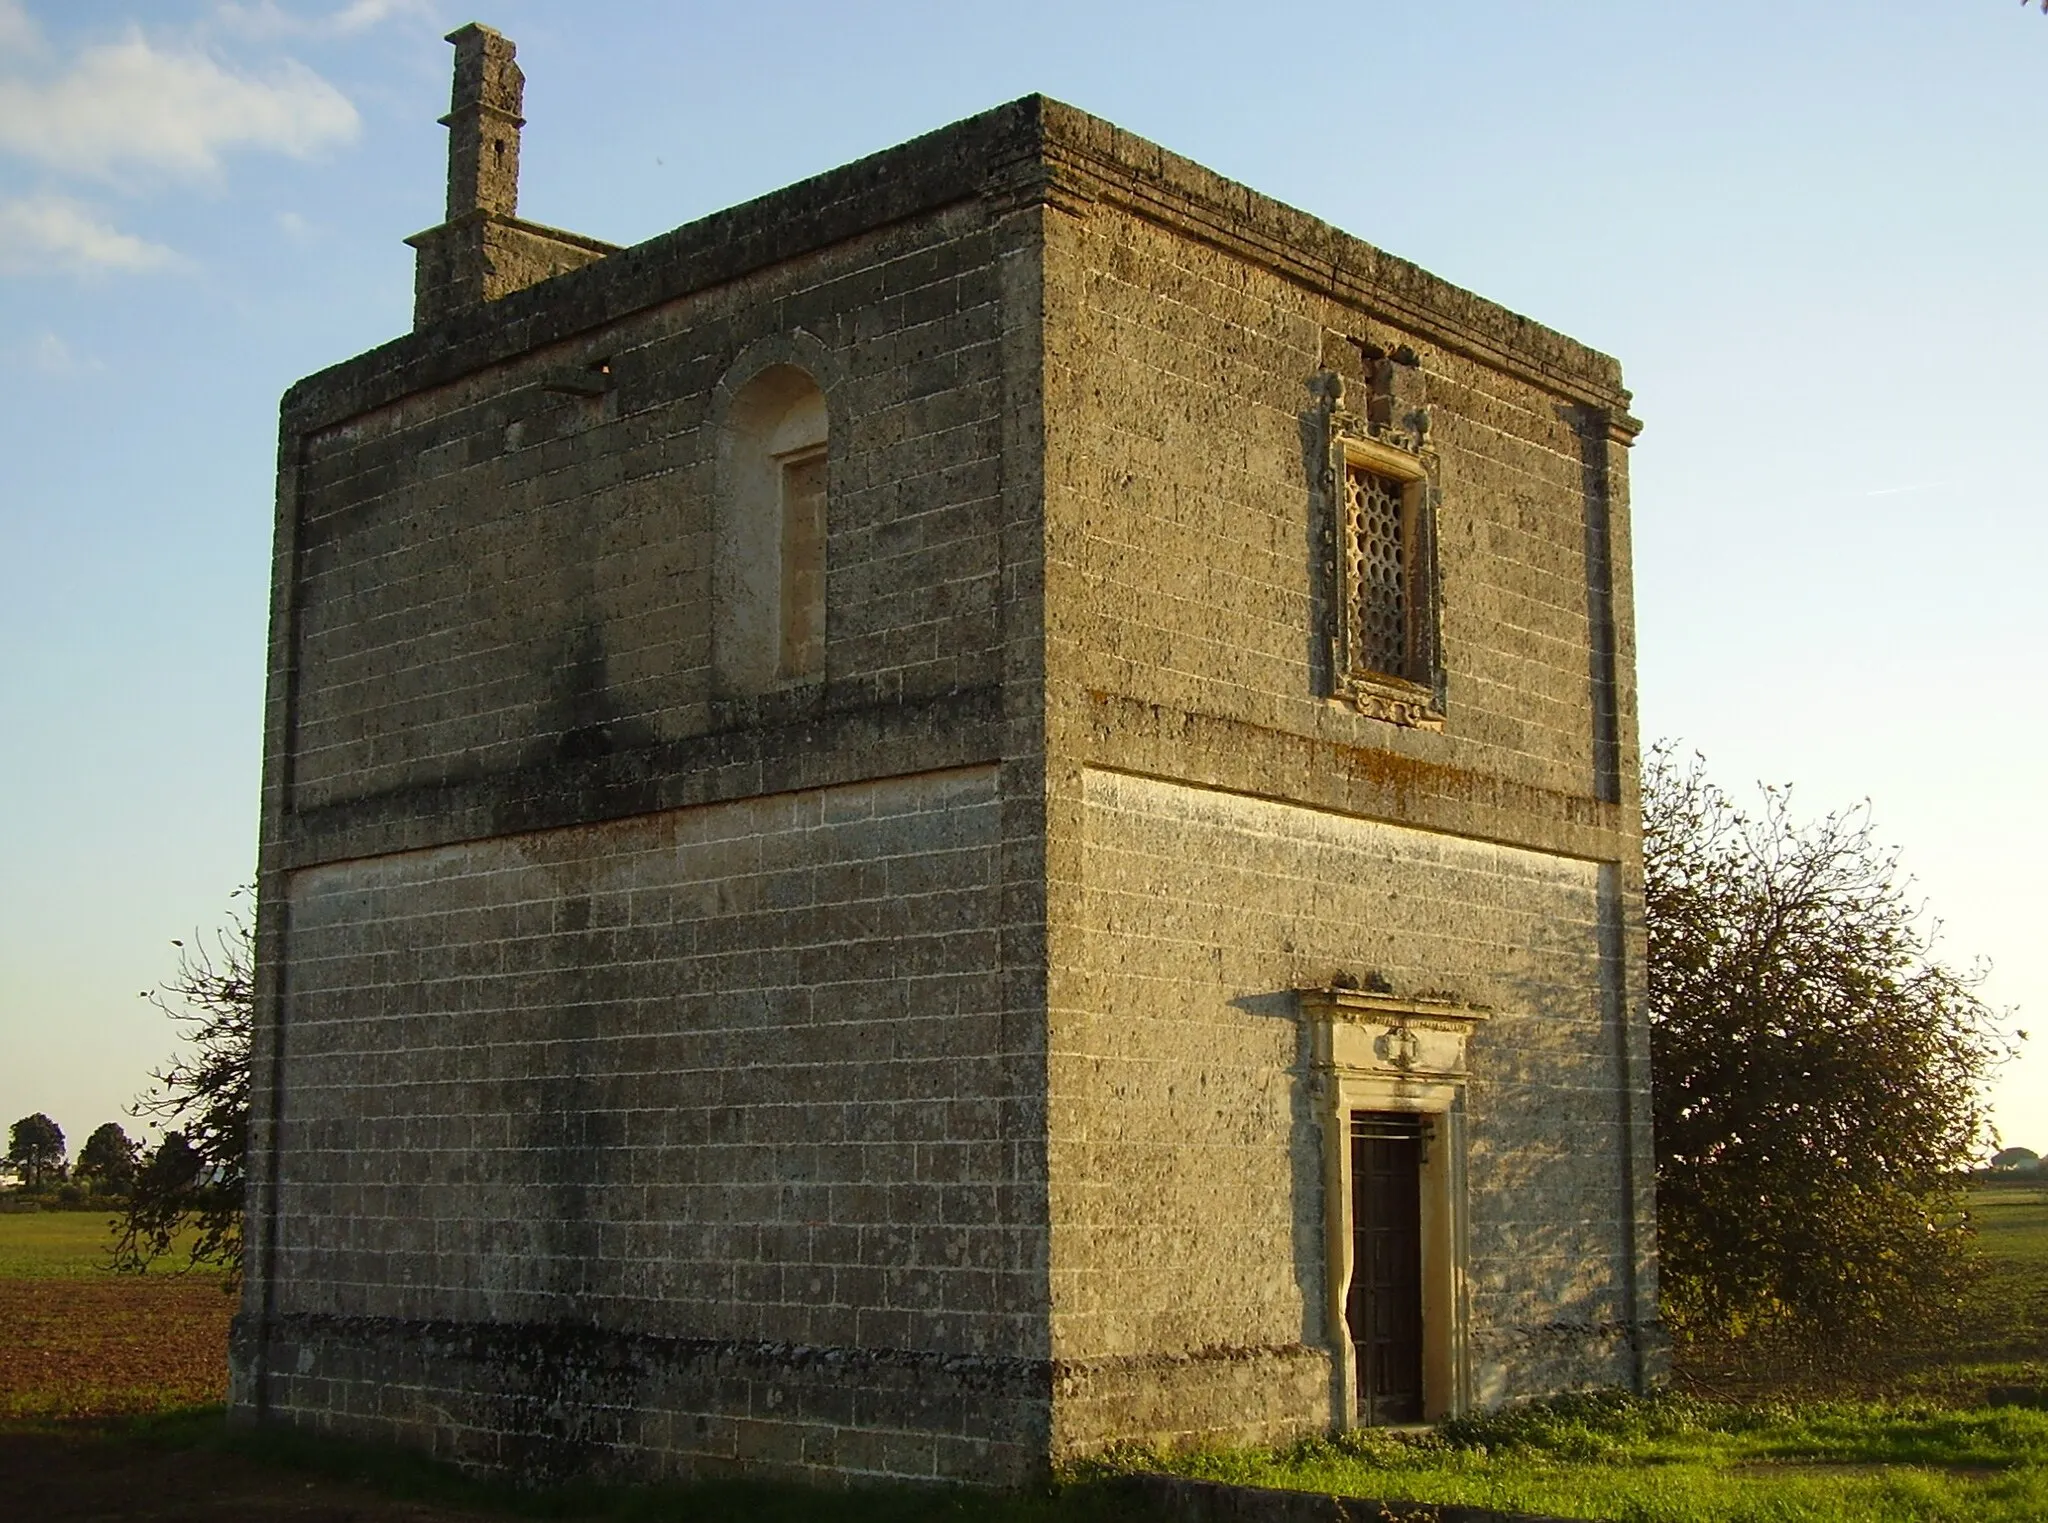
{"x": 683, "y": 1140}
{"x": 1184, "y": 437}
{"x": 1221, "y": 832}
{"x": 497, "y": 577}
{"x": 1187, "y": 1205}
{"x": 651, "y": 1082}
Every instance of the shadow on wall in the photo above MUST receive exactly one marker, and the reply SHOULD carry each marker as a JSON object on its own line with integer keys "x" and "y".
{"x": 1573, "y": 1197}
{"x": 1305, "y": 1158}
{"x": 1562, "y": 1278}
{"x": 1591, "y": 426}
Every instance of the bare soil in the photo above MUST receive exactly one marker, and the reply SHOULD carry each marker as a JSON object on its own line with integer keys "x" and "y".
{"x": 111, "y": 1345}
{"x": 81, "y": 1348}
{"x": 76, "y": 1351}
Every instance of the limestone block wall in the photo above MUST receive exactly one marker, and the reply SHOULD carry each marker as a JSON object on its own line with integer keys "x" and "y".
{"x": 513, "y": 571}
{"x": 650, "y": 1079}
{"x": 1187, "y": 1199}
{"x": 1221, "y": 831}
{"x": 591, "y": 1131}
{"x": 1182, "y": 529}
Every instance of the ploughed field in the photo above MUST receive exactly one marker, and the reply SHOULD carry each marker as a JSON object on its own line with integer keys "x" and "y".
{"x": 110, "y": 1389}
{"x": 78, "y": 1341}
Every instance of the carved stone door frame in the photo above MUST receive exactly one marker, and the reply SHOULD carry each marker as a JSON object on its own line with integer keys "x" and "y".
{"x": 1377, "y": 1052}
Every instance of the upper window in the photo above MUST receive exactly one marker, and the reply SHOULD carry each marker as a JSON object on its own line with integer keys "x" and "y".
{"x": 1384, "y": 593}
{"x": 1379, "y": 537}
{"x": 802, "y": 605}
{"x": 768, "y": 583}
{"x": 1383, "y": 655}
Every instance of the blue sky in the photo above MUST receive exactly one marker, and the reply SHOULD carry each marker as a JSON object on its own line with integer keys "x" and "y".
{"x": 1811, "y": 231}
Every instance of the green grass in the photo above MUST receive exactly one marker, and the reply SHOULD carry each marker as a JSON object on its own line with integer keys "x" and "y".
{"x": 61, "y": 1245}
{"x": 2012, "y": 1223}
{"x": 1674, "y": 1459}
{"x": 2003, "y": 1338}
{"x": 65, "y": 1245}
{"x": 1931, "y": 1453}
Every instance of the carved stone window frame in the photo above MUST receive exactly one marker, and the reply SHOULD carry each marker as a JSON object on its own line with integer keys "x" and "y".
{"x": 1414, "y": 696}
{"x": 1379, "y": 1052}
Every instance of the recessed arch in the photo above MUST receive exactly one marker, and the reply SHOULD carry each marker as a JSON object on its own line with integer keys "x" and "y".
{"x": 768, "y": 572}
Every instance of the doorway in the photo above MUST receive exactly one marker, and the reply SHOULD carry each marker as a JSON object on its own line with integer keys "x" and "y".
{"x": 1383, "y": 1307}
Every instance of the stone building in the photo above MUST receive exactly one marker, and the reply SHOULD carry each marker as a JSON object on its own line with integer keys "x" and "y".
{"x": 983, "y": 806}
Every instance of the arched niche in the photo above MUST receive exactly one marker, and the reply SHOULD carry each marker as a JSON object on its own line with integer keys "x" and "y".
{"x": 768, "y": 572}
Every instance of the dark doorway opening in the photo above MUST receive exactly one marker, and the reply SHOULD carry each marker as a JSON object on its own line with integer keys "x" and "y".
{"x": 1384, "y": 1304}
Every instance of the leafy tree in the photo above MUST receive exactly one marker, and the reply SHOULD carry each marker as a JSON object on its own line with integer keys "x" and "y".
{"x": 1818, "y": 1074}
{"x": 35, "y": 1149}
{"x": 2016, "y": 1160}
{"x": 107, "y": 1159}
{"x": 194, "y": 1177}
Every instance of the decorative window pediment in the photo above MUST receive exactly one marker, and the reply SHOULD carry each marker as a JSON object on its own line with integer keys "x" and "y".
{"x": 1380, "y": 491}
{"x": 1363, "y": 1034}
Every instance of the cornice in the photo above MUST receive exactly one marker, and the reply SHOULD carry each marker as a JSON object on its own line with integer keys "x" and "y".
{"x": 1341, "y": 1002}
{"x": 1031, "y": 152}
{"x": 1090, "y": 162}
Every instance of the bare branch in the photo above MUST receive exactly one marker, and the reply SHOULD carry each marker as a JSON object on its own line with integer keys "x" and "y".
{"x": 193, "y": 1179}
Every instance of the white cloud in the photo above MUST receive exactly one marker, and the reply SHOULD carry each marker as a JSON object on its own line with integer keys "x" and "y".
{"x": 47, "y": 354}
{"x": 52, "y": 232}
{"x": 266, "y": 18}
{"x": 20, "y": 37}
{"x": 132, "y": 104}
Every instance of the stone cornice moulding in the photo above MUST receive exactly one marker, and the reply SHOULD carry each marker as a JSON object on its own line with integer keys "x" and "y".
{"x": 480, "y": 216}
{"x": 1092, "y": 177}
{"x": 1033, "y": 151}
{"x": 1370, "y": 1034}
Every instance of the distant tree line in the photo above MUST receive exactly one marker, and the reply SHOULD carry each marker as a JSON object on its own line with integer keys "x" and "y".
{"x": 181, "y": 1200}
{"x": 106, "y": 1165}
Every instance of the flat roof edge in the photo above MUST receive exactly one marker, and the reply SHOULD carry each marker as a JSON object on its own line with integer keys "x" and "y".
{"x": 1034, "y": 149}
{"x": 1162, "y": 185}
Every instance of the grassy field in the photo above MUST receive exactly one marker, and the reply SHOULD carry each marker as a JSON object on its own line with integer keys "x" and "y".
{"x": 1926, "y": 1445}
{"x": 2012, "y": 1229}
{"x": 2007, "y": 1339}
{"x": 1676, "y": 1459}
{"x": 53, "y": 1245}
{"x": 2012, "y": 1220}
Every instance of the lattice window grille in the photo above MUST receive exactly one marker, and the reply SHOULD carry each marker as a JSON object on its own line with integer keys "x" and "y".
{"x": 1379, "y": 571}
